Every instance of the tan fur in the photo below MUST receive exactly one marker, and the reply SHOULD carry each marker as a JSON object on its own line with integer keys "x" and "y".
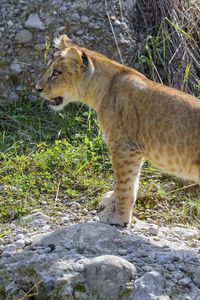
{"x": 140, "y": 119}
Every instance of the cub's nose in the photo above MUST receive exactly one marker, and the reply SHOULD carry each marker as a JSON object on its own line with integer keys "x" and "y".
{"x": 38, "y": 88}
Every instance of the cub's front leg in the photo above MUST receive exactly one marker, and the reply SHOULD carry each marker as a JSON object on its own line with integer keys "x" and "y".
{"x": 126, "y": 166}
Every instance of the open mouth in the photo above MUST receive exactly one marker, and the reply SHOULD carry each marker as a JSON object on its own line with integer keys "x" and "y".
{"x": 56, "y": 101}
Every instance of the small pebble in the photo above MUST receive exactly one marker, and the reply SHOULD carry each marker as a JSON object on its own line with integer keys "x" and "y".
{"x": 65, "y": 219}
{"x": 184, "y": 281}
{"x": 20, "y": 244}
{"x": 19, "y": 236}
{"x": 117, "y": 23}
{"x": 153, "y": 229}
{"x": 84, "y": 19}
{"x": 122, "y": 251}
{"x": 75, "y": 17}
{"x": 47, "y": 250}
{"x": 78, "y": 268}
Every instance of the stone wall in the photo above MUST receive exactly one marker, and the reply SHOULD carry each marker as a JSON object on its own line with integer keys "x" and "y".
{"x": 28, "y": 27}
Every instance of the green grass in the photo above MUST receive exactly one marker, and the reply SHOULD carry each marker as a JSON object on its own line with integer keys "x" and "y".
{"x": 41, "y": 151}
{"x": 48, "y": 160}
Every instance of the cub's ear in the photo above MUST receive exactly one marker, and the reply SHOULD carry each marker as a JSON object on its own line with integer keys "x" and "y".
{"x": 76, "y": 58}
{"x": 73, "y": 54}
{"x": 62, "y": 42}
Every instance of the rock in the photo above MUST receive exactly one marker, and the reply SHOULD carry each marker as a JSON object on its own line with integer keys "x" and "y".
{"x": 76, "y": 261}
{"x": 75, "y": 17}
{"x": 15, "y": 68}
{"x": 122, "y": 251}
{"x": 19, "y": 236}
{"x": 84, "y": 19}
{"x": 34, "y": 22}
{"x": 130, "y": 4}
{"x": 186, "y": 233}
{"x": 6, "y": 254}
{"x": 194, "y": 273}
{"x": 20, "y": 244}
{"x": 79, "y": 32}
{"x": 184, "y": 281}
{"x": 23, "y": 36}
{"x": 169, "y": 186}
{"x": 164, "y": 297}
{"x": 13, "y": 97}
{"x": 65, "y": 219}
{"x": 108, "y": 274}
{"x": 148, "y": 286}
{"x": 35, "y": 219}
{"x": 93, "y": 237}
{"x": 34, "y": 99}
{"x": 117, "y": 23}
{"x": 153, "y": 229}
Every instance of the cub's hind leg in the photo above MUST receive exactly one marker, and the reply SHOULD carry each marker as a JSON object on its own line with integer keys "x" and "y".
{"x": 126, "y": 166}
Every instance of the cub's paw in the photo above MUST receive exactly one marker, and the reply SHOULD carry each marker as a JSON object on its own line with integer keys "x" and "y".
{"x": 113, "y": 218}
{"x": 110, "y": 215}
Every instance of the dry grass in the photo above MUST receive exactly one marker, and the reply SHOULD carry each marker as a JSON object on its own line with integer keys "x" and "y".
{"x": 170, "y": 36}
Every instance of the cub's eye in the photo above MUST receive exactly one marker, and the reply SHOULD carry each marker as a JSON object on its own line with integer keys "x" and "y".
{"x": 55, "y": 73}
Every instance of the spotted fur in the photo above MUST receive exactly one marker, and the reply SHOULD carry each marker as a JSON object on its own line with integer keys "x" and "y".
{"x": 141, "y": 119}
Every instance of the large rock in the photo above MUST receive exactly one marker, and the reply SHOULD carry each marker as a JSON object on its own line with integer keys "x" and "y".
{"x": 96, "y": 261}
{"x": 59, "y": 264}
{"x": 108, "y": 276}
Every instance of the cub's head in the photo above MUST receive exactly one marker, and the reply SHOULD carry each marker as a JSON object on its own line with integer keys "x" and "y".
{"x": 60, "y": 84}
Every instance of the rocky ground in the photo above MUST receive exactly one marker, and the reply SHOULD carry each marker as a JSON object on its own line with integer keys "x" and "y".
{"x": 28, "y": 27}
{"x": 73, "y": 256}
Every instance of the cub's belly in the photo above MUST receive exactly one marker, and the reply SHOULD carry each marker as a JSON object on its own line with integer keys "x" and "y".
{"x": 171, "y": 161}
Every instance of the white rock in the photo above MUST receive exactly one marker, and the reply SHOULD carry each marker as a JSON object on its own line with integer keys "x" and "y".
{"x": 10, "y": 23}
{"x": 65, "y": 219}
{"x": 78, "y": 267}
{"x": 20, "y": 244}
{"x": 186, "y": 233}
{"x": 34, "y": 22}
{"x": 122, "y": 251}
{"x": 117, "y": 23}
{"x": 153, "y": 229}
{"x": 164, "y": 297}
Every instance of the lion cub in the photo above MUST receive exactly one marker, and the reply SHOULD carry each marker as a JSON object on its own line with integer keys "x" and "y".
{"x": 140, "y": 119}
